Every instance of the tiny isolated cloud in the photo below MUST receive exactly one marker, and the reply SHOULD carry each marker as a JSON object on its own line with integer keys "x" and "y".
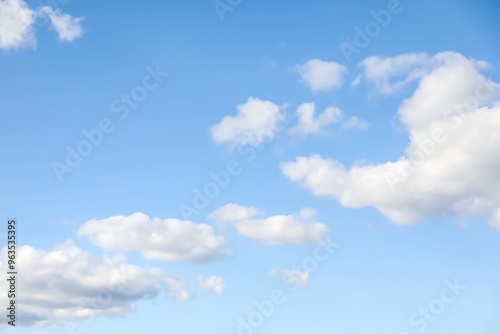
{"x": 449, "y": 167}
{"x": 257, "y": 120}
{"x": 68, "y": 28}
{"x": 357, "y": 80}
{"x": 169, "y": 240}
{"x": 68, "y": 284}
{"x": 309, "y": 124}
{"x": 355, "y": 123}
{"x": 215, "y": 284}
{"x": 299, "y": 229}
{"x": 69, "y": 222}
{"x": 18, "y": 24}
{"x": 298, "y": 279}
{"x": 321, "y": 75}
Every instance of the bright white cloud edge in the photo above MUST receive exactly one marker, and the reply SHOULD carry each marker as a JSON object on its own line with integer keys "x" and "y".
{"x": 257, "y": 120}
{"x": 69, "y": 284}
{"x": 449, "y": 169}
{"x": 300, "y": 228}
{"x": 214, "y": 284}
{"x": 321, "y": 76}
{"x": 170, "y": 240}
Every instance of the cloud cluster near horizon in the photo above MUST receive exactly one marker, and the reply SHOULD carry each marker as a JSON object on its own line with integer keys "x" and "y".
{"x": 449, "y": 169}
{"x": 69, "y": 284}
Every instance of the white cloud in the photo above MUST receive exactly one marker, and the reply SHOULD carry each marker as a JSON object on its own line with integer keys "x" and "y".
{"x": 17, "y": 24}
{"x": 321, "y": 75}
{"x": 275, "y": 230}
{"x": 404, "y": 68}
{"x": 68, "y": 284}
{"x": 256, "y": 121}
{"x": 355, "y": 123}
{"x": 450, "y": 167}
{"x": 295, "y": 278}
{"x": 494, "y": 220}
{"x": 69, "y": 28}
{"x": 308, "y": 124}
{"x": 214, "y": 283}
{"x": 357, "y": 80}
{"x": 170, "y": 240}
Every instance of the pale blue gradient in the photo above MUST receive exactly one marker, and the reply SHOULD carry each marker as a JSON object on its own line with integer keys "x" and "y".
{"x": 381, "y": 273}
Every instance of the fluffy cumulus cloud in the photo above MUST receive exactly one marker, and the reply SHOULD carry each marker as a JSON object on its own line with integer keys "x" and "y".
{"x": 170, "y": 240}
{"x": 275, "y": 230}
{"x": 68, "y": 284}
{"x": 296, "y": 278}
{"x": 256, "y": 121}
{"x": 309, "y": 124}
{"x": 17, "y": 24}
{"x": 213, "y": 283}
{"x": 321, "y": 75}
{"x": 449, "y": 168}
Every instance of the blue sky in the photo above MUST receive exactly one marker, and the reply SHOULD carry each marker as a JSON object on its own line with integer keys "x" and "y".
{"x": 235, "y": 91}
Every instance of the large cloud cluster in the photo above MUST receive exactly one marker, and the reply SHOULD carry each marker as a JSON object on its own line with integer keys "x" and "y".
{"x": 68, "y": 284}
{"x": 449, "y": 168}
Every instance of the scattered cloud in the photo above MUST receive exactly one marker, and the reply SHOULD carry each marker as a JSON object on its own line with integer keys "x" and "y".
{"x": 214, "y": 283}
{"x": 68, "y": 284}
{"x": 295, "y": 278}
{"x": 308, "y": 124}
{"x": 449, "y": 168}
{"x": 390, "y": 74}
{"x": 69, "y": 28}
{"x": 321, "y": 75}
{"x": 170, "y": 240}
{"x": 256, "y": 121}
{"x": 16, "y": 20}
{"x": 17, "y": 24}
{"x": 357, "y": 80}
{"x": 355, "y": 123}
{"x": 275, "y": 230}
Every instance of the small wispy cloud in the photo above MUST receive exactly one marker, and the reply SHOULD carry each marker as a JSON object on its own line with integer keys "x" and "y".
{"x": 18, "y": 24}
